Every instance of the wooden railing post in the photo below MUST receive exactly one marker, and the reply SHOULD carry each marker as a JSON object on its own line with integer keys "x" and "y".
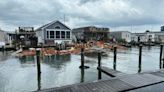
{"x": 160, "y": 57}
{"x": 115, "y": 58}
{"x": 140, "y": 58}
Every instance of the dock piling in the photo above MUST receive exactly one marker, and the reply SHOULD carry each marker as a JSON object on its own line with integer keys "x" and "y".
{"x": 38, "y": 68}
{"x": 82, "y": 59}
{"x": 38, "y": 61}
{"x": 115, "y": 58}
{"x": 140, "y": 58}
{"x": 99, "y": 65}
{"x": 160, "y": 57}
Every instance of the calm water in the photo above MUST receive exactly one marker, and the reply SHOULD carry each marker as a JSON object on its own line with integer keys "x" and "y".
{"x": 20, "y": 74}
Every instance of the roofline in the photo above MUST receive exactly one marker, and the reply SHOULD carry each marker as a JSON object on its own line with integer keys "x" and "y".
{"x": 48, "y": 24}
{"x": 89, "y": 27}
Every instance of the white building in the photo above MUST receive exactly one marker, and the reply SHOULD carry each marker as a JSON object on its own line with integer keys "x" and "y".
{"x": 148, "y": 36}
{"x": 54, "y": 32}
{"x": 125, "y": 35}
{"x": 3, "y": 38}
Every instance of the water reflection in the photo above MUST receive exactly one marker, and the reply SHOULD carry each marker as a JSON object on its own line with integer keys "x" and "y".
{"x": 4, "y": 55}
{"x": 25, "y": 61}
{"x": 39, "y": 81}
{"x": 57, "y": 61}
{"x": 61, "y": 70}
{"x": 82, "y": 74}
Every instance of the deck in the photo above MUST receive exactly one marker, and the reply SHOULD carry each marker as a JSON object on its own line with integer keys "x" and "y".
{"x": 124, "y": 83}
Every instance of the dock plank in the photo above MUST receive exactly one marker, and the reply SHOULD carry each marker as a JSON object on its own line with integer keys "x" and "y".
{"x": 115, "y": 84}
{"x": 110, "y": 72}
{"x": 141, "y": 79}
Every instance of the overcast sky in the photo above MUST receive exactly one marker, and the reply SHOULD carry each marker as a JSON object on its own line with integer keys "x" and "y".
{"x": 131, "y": 15}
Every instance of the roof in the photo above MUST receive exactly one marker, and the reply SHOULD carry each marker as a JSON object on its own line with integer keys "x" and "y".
{"x": 119, "y": 31}
{"x": 46, "y": 25}
{"x": 88, "y": 28}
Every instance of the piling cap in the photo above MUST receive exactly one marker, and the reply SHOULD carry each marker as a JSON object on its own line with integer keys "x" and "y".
{"x": 38, "y": 49}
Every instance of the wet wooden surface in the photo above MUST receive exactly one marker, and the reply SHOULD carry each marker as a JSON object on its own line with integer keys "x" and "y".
{"x": 110, "y": 72}
{"x": 116, "y": 84}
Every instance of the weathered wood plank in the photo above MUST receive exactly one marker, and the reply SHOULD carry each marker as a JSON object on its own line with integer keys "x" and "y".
{"x": 110, "y": 72}
{"x": 116, "y": 84}
{"x": 141, "y": 79}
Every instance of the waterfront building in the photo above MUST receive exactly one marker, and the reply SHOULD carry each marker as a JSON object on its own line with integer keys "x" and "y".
{"x": 54, "y": 32}
{"x": 162, "y": 28}
{"x": 3, "y": 38}
{"x": 91, "y": 33}
{"x": 121, "y": 35}
{"x": 26, "y": 36}
{"x": 11, "y": 38}
{"x": 148, "y": 36}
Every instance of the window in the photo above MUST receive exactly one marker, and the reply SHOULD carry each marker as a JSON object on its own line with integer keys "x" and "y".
{"x": 68, "y": 35}
{"x": 62, "y": 34}
{"x": 52, "y": 34}
{"x": 47, "y": 34}
{"x": 57, "y": 34}
{"x": 57, "y": 27}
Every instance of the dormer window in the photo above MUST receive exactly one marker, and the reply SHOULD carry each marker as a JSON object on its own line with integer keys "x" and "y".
{"x": 57, "y": 27}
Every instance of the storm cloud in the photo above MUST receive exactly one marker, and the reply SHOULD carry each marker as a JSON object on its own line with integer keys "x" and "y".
{"x": 77, "y": 13}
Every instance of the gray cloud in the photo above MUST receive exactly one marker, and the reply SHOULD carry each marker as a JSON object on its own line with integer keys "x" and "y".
{"x": 107, "y": 13}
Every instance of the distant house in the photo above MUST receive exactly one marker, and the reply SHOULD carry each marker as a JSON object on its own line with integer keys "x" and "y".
{"x": 121, "y": 35}
{"x": 149, "y": 36}
{"x": 90, "y": 33}
{"x": 11, "y": 38}
{"x": 54, "y": 32}
{"x": 3, "y": 38}
{"x": 26, "y": 35}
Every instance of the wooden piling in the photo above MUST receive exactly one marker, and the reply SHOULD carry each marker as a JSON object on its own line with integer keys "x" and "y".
{"x": 99, "y": 65}
{"x": 82, "y": 58}
{"x": 160, "y": 57}
{"x": 39, "y": 82}
{"x": 140, "y": 58}
{"x": 99, "y": 59}
{"x": 38, "y": 61}
{"x": 115, "y": 58}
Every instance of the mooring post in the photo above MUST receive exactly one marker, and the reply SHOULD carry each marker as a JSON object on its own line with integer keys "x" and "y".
{"x": 82, "y": 58}
{"x": 140, "y": 58}
{"x": 160, "y": 57}
{"x": 99, "y": 65}
{"x": 38, "y": 61}
{"x": 115, "y": 58}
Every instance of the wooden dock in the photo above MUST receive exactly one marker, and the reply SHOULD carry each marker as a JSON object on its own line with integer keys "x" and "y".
{"x": 110, "y": 72}
{"x": 123, "y": 83}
